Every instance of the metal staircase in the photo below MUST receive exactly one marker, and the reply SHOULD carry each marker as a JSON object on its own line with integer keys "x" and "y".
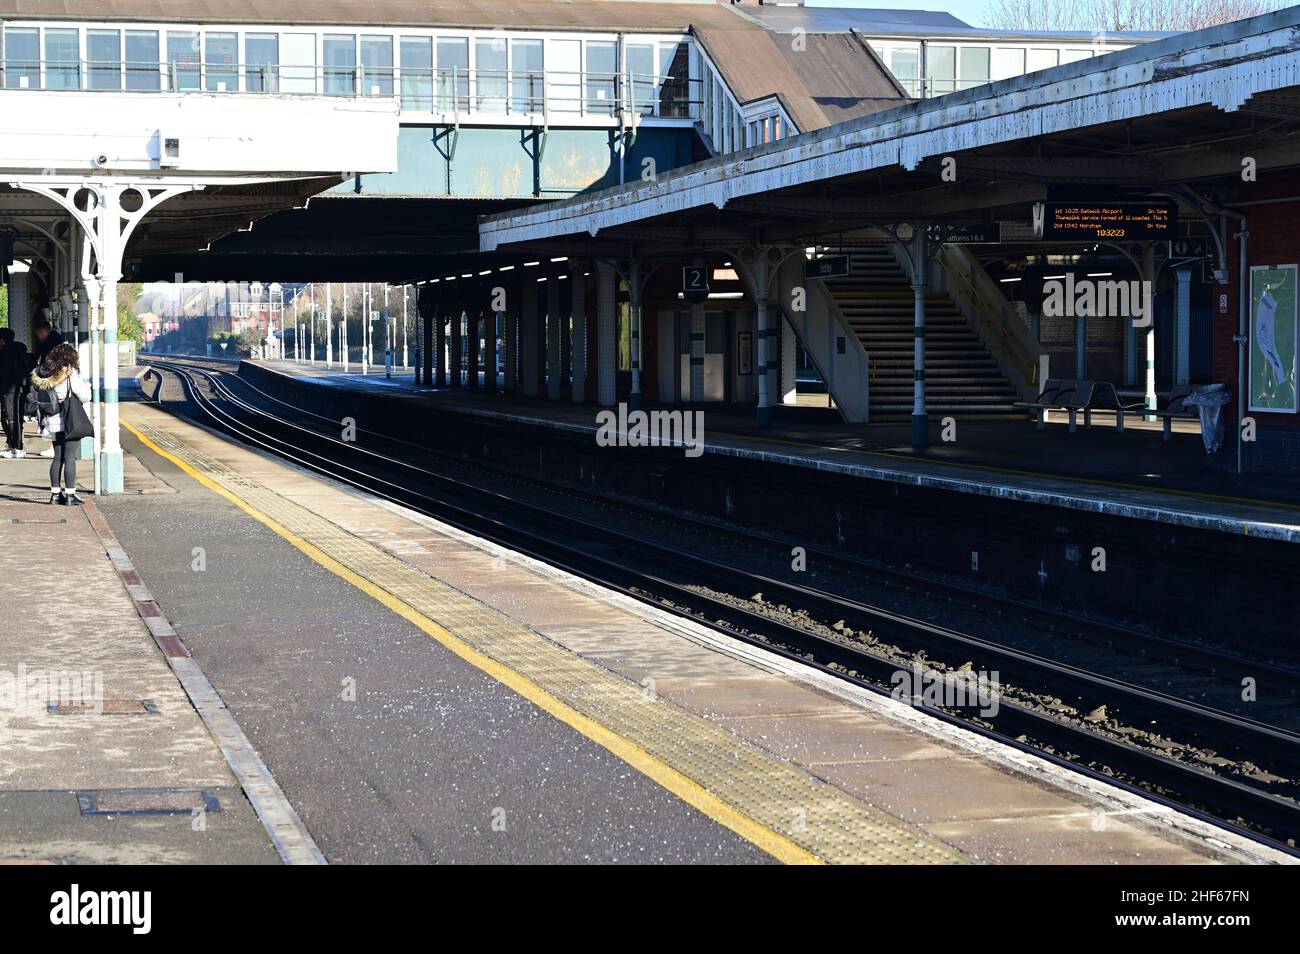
{"x": 962, "y": 378}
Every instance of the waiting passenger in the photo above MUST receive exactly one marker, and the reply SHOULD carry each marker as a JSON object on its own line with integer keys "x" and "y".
{"x": 47, "y": 339}
{"x": 57, "y": 378}
{"x": 14, "y": 368}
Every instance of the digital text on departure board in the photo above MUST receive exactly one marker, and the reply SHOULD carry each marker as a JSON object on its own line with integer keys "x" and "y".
{"x": 1064, "y": 221}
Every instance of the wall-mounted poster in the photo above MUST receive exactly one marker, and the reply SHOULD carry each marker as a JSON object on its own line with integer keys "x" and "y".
{"x": 745, "y": 353}
{"x": 1273, "y": 338}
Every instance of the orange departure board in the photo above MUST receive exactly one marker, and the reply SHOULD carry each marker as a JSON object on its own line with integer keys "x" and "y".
{"x": 1064, "y": 221}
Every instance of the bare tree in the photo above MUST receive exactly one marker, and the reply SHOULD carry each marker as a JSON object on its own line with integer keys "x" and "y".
{"x": 1111, "y": 16}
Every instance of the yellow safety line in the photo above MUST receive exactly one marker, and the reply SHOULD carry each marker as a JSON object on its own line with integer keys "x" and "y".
{"x": 687, "y": 789}
{"x": 1168, "y": 492}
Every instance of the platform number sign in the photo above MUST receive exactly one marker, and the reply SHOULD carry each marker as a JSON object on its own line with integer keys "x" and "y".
{"x": 695, "y": 283}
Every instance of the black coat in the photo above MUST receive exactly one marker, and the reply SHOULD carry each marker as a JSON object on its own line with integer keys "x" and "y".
{"x": 15, "y": 365}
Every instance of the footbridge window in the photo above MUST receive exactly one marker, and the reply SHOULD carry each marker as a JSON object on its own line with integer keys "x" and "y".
{"x": 485, "y": 71}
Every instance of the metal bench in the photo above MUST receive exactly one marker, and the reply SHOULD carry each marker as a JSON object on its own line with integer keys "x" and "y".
{"x": 1106, "y": 398}
{"x": 1172, "y": 410}
{"x": 1062, "y": 394}
{"x": 1067, "y": 394}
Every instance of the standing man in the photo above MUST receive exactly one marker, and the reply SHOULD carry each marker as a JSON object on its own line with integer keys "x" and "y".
{"x": 47, "y": 339}
{"x": 14, "y": 366}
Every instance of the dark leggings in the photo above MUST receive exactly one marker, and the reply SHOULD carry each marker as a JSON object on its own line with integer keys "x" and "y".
{"x": 65, "y": 460}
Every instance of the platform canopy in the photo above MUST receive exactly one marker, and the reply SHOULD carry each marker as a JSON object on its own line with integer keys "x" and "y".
{"x": 1172, "y": 117}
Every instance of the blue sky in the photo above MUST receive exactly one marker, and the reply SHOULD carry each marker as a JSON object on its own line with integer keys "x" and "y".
{"x": 972, "y": 11}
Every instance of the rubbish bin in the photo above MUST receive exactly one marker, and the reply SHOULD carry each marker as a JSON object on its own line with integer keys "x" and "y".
{"x": 1210, "y": 401}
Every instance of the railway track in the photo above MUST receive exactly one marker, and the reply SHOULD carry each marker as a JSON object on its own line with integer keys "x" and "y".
{"x": 854, "y": 640}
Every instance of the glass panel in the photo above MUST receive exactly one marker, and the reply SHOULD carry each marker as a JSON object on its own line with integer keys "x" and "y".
{"x": 974, "y": 67}
{"x": 340, "y": 53}
{"x": 417, "y": 72}
{"x": 183, "y": 60}
{"x": 602, "y": 68}
{"x": 298, "y": 63}
{"x": 262, "y": 59}
{"x": 906, "y": 67}
{"x": 1073, "y": 56}
{"x": 22, "y": 59}
{"x": 1007, "y": 62}
{"x": 377, "y": 65}
{"x": 491, "y": 63}
{"x": 104, "y": 54}
{"x": 643, "y": 90}
{"x": 62, "y": 59}
{"x": 941, "y": 69}
{"x": 526, "y": 76}
{"x": 1041, "y": 60}
{"x": 563, "y": 76}
{"x": 453, "y": 72}
{"x": 222, "y": 54}
{"x": 674, "y": 80}
{"x": 142, "y": 63}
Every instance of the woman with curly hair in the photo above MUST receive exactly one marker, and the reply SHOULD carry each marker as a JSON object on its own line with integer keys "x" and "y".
{"x": 59, "y": 375}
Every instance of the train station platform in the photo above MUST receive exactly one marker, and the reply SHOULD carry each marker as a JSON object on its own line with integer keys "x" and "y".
{"x": 104, "y": 757}
{"x": 1133, "y": 473}
{"x": 421, "y": 694}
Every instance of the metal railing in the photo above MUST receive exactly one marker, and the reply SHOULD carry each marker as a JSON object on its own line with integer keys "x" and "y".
{"x": 453, "y": 90}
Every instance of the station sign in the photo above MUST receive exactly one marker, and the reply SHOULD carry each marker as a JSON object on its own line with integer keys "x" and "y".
{"x": 828, "y": 266}
{"x": 1090, "y": 221}
{"x": 695, "y": 283}
{"x": 965, "y": 233}
{"x": 1189, "y": 248}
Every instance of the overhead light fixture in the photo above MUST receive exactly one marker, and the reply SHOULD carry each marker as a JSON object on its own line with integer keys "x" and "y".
{"x": 1006, "y": 280}
{"x": 561, "y": 258}
{"x": 1100, "y": 274}
{"x": 531, "y": 264}
{"x": 1048, "y": 278}
{"x": 487, "y": 272}
{"x": 506, "y": 268}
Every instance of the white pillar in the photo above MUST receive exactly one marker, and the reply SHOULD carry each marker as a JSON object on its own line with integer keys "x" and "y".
{"x": 554, "y": 346}
{"x": 606, "y": 334}
{"x": 764, "y": 335}
{"x": 329, "y": 326}
{"x": 510, "y": 345}
{"x": 634, "y": 309}
{"x": 529, "y": 340}
{"x": 579, "y": 348}
{"x": 920, "y": 419}
{"x": 440, "y": 346}
{"x": 695, "y": 383}
{"x": 491, "y": 326}
{"x": 1183, "y": 314}
{"x": 789, "y": 371}
{"x": 1149, "y": 275}
{"x": 109, "y": 267}
{"x": 343, "y": 331}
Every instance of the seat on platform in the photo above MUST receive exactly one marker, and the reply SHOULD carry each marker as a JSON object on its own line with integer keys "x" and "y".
{"x": 1068, "y": 394}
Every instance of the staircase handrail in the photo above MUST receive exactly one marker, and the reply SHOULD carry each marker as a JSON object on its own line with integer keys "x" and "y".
{"x": 991, "y": 310}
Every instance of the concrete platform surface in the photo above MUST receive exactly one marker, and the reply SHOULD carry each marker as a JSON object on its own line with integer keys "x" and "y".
{"x": 483, "y": 681}
{"x": 97, "y": 736}
{"x": 1130, "y": 474}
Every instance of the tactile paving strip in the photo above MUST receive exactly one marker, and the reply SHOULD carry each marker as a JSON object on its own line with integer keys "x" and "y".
{"x": 822, "y": 820}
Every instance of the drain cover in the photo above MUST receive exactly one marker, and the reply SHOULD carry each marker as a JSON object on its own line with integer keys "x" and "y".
{"x": 148, "y": 801}
{"x": 105, "y": 707}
